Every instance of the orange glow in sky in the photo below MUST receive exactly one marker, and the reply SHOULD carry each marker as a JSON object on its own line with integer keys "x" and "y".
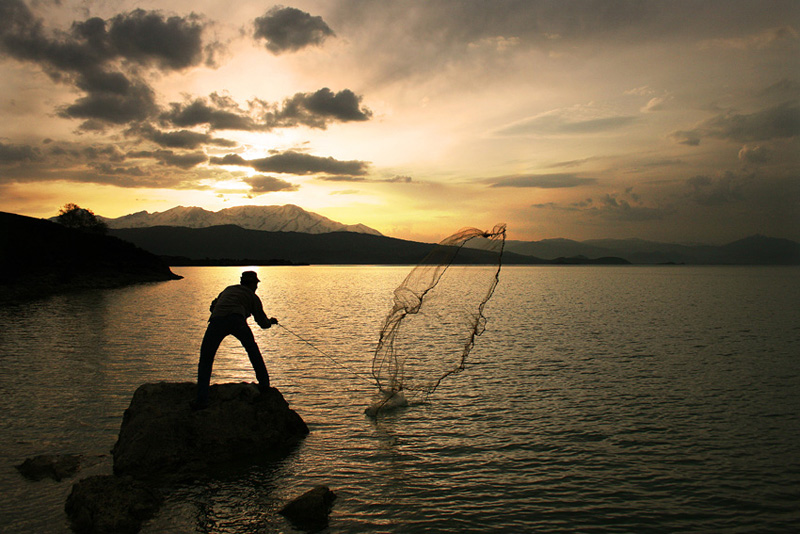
{"x": 666, "y": 121}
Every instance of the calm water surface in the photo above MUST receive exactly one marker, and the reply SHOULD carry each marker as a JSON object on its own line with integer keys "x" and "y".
{"x": 599, "y": 399}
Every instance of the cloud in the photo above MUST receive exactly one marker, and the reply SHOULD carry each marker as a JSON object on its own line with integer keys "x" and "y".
{"x": 102, "y": 58}
{"x": 10, "y": 154}
{"x": 393, "y": 180}
{"x": 777, "y": 122}
{"x": 658, "y": 103}
{"x": 623, "y": 207}
{"x": 173, "y": 43}
{"x": 184, "y": 160}
{"x": 782, "y": 90}
{"x": 782, "y": 121}
{"x": 319, "y": 108}
{"x": 612, "y": 207}
{"x": 268, "y": 184}
{"x": 754, "y": 154}
{"x": 686, "y": 137}
{"x": 764, "y": 39}
{"x": 121, "y": 170}
{"x": 296, "y": 163}
{"x": 498, "y": 43}
{"x": 112, "y": 164}
{"x": 186, "y": 139}
{"x": 132, "y": 103}
{"x": 289, "y": 29}
{"x": 230, "y": 159}
{"x": 572, "y": 163}
{"x": 346, "y": 192}
{"x": 446, "y": 35}
{"x": 708, "y": 191}
{"x": 142, "y": 37}
{"x": 578, "y": 120}
{"x": 342, "y": 178}
{"x": 543, "y": 181}
{"x": 218, "y": 112}
{"x": 315, "y": 110}
{"x": 644, "y": 90}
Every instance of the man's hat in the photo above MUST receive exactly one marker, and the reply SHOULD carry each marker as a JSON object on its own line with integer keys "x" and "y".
{"x": 249, "y": 277}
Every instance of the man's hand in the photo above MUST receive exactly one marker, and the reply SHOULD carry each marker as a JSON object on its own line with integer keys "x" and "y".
{"x": 273, "y": 320}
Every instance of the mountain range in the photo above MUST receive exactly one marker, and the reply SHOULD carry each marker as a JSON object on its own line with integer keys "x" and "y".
{"x": 288, "y": 218}
{"x": 753, "y": 250}
{"x": 181, "y": 246}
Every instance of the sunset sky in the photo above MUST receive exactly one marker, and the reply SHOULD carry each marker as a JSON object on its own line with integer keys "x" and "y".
{"x": 665, "y": 120}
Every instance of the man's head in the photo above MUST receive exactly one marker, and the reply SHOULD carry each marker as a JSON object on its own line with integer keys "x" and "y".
{"x": 249, "y": 279}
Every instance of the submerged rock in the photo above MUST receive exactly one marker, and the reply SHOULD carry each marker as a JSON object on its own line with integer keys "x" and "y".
{"x": 310, "y": 511}
{"x": 55, "y": 466}
{"x": 111, "y": 504}
{"x": 161, "y": 434}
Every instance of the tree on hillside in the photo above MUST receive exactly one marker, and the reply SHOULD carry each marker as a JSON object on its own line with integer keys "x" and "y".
{"x": 74, "y": 216}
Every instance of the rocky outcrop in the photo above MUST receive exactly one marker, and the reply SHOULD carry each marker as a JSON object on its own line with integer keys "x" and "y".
{"x": 108, "y": 504}
{"x": 310, "y": 511}
{"x": 161, "y": 434}
{"x": 55, "y": 466}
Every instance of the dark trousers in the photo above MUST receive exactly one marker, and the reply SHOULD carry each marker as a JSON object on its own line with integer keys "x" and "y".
{"x": 218, "y": 329}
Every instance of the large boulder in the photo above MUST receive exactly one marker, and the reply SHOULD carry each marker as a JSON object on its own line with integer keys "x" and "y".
{"x": 161, "y": 434}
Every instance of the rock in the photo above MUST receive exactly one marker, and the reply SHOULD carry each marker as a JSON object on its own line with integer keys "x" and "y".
{"x": 55, "y": 466}
{"x": 111, "y": 504}
{"x": 161, "y": 434}
{"x": 310, "y": 511}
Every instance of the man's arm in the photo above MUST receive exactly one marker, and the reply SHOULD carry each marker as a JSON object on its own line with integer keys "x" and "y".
{"x": 258, "y": 313}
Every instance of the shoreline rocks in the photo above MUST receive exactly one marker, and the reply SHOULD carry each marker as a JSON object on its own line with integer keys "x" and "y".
{"x": 162, "y": 440}
{"x": 54, "y": 466}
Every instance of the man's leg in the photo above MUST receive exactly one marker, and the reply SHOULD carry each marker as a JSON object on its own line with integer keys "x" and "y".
{"x": 245, "y": 336}
{"x": 214, "y": 335}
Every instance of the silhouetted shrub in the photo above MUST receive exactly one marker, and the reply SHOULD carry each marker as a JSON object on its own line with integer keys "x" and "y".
{"x": 74, "y": 216}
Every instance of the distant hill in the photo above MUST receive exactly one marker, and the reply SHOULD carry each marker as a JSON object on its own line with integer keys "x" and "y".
{"x": 754, "y": 250}
{"x": 39, "y": 257}
{"x": 288, "y": 218}
{"x": 220, "y": 244}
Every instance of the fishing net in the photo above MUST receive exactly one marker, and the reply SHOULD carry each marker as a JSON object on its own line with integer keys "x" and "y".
{"x": 436, "y": 316}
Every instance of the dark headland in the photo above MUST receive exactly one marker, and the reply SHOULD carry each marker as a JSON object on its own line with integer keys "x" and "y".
{"x": 39, "y": 258}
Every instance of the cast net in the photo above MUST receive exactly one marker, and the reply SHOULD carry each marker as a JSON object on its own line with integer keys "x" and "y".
{"x": 436, "y": 316}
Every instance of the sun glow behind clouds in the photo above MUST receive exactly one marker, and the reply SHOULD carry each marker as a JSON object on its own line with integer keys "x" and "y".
{"x": 389, "y": 123}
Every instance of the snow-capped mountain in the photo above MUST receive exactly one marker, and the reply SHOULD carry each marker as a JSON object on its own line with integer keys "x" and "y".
{"x": 288, "y": 218}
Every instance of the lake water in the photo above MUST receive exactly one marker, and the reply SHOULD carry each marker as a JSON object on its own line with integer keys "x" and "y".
{"x": 599, "y": 399}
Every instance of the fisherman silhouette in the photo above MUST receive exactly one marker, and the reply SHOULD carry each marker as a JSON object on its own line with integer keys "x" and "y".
{"x": 229, "y": 313}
